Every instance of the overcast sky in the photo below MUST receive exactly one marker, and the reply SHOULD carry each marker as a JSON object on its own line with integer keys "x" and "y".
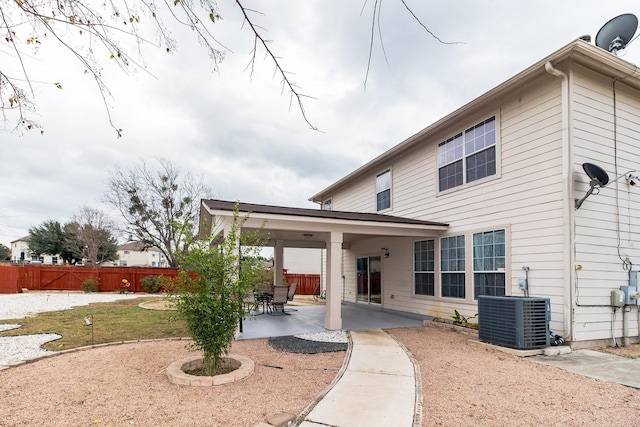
{"x": 238, "y": 132}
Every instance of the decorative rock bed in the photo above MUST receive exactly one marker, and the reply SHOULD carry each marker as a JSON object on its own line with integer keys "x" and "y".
{"x": 177, "y": 375}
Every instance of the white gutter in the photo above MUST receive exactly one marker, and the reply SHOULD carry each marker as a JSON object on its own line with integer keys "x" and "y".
{"x": 567, "y": 210}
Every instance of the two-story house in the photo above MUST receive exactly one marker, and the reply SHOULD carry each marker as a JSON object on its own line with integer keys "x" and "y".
{"x": 20, "y": 253}
{"x": 489, "y": 196}
{"x": 136, "y": 254}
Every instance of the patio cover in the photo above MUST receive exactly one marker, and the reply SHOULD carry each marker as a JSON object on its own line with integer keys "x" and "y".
{"x": 313, "y": 228}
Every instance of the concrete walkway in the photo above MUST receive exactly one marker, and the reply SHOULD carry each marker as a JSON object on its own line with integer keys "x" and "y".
{"x": 377, "y": 389}
{"x": 595, "y": 364}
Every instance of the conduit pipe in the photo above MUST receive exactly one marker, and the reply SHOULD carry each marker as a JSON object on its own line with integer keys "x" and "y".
{"x": 626, "y": 310}
{"x": 567, "y": 211}
{"x": 613, "y": 327}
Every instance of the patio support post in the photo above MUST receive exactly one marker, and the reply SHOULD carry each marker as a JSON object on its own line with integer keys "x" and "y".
{"x": 278, "y": 262}
{"x": 333, "y": 312}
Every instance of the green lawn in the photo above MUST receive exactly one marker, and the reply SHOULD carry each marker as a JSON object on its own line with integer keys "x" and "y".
{"x": 112, "y": 322}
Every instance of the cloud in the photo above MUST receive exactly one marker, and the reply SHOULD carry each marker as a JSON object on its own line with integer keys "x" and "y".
{"x": 240, "y": 131}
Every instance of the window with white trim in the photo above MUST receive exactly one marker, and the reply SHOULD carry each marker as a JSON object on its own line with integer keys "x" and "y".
{"x": 326, "y": 206}
{"x": 489, "y": 261}
{"x": 383, "y": 191}
{"x": 424, "y": 259}
{"x": 452, "y": 267}
{"x": 468, "y": 156}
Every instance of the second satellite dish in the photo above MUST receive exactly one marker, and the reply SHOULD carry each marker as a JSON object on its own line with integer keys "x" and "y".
{"x": 617, "y": 33}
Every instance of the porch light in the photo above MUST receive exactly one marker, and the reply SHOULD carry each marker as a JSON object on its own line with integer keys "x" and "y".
{"x": 88, "y": 321}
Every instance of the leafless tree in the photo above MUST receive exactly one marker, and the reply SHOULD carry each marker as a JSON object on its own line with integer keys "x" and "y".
{"x": 160, "y": 206}
{"x": 93, "y": 229}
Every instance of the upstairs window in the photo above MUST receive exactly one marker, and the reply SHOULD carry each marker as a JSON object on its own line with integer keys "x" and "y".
{"x": 326, "y": 206}
{"x": 467, "y": 156}
{"x": 383, "y": 191}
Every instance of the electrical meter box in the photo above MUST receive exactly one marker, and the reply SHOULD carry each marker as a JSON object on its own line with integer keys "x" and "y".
{"x": 617, "y": 298}
{"x": 629, "y": 293}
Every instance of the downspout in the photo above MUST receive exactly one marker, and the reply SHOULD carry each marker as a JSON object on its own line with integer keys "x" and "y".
{"x": 567, "y": 211}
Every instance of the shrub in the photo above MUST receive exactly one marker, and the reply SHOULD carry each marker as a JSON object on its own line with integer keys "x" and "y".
{"x": 152, "y": 284}
{"x": 210, "y": 289}
{"x": 91, "y": 284}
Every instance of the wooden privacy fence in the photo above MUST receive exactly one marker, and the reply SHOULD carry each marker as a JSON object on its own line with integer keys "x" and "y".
{"x": 14, "y": 278}
{"x": 8, "y": 279}
{"x": 306, "y": 282}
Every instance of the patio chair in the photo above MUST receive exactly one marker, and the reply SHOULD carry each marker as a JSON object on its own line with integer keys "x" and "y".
{"x": 291, "y": 294}
{"x": 250, "y": 303}
{"x": 279, "y": 299}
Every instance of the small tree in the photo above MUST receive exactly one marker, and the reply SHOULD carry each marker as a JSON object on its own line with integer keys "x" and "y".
{"x": 211, "y": 287}
{"x": 5, "y": 252}
{"x": 93, "y": 230}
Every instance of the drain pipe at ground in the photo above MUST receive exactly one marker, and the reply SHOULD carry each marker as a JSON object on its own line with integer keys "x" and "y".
{"x": 567, "y": 210}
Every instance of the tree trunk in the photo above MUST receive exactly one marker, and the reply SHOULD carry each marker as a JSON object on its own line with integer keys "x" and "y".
{"x": 210, "y": 364}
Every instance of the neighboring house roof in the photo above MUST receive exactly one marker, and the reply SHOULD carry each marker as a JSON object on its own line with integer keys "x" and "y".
{"x": 579, "y": 51}
{"x": 136, "y": 246}
{"x": 22, "y": 239}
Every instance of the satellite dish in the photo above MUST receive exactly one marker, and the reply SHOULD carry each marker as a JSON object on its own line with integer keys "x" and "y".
{"x": 599, "y": 178}
{"x": 617, "y": 33}
{"x": 595, "y": 172}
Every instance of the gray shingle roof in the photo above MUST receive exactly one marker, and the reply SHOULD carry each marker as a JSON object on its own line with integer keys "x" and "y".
{"x": 314, "y": 213}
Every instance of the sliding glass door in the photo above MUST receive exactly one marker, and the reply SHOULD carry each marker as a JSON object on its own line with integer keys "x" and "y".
{"x": 369, "y": 280}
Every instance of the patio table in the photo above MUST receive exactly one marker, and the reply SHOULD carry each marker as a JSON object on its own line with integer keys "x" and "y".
{"x": 264, "y": 298}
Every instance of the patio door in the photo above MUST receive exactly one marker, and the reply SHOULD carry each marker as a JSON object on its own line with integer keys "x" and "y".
{"x": 369, "y": 280}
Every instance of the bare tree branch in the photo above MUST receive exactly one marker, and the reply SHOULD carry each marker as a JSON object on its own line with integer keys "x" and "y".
{"x": 286, "y": 82}
{"x": 424, "y": 26}
{"x": 375, "y": 23}
{"x": 88, "y": 32}
{"x": 96, "y": 33}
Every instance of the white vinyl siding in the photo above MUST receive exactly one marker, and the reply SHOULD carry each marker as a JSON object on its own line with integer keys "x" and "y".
{"x": 575, "y": 256}
{"x": 528, "y": 143}
{"x": 606, "y": 229}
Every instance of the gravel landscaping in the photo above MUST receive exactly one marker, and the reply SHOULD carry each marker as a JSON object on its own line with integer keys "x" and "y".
{"x": 463, "y": 383}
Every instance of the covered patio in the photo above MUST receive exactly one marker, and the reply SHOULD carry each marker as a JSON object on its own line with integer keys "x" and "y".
{"x": 333, "y": 231}
{"x": 310, "y": 319}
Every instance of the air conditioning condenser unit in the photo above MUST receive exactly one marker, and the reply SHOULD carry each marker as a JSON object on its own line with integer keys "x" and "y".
{"x": 516, "y": 322}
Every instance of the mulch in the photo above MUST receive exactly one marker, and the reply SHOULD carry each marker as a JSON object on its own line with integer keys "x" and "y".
{"x": 291, "y": 344}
